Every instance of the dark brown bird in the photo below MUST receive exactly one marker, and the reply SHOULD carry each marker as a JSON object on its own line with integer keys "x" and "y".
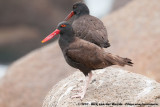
{"x": 88, "y": 27}
{"x": 84, "y": 55}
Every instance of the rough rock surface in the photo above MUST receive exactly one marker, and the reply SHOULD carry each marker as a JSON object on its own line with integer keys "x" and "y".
{"x": 29, "y": 79}
{"x": 110, "y": 85}
{"x": 134, "y": 32}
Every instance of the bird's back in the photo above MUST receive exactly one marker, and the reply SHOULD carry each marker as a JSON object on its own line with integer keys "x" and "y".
{"x": 90, "y": 28}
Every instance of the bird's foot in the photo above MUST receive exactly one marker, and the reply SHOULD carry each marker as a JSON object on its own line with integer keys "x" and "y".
{"x": 83, "y": 91}
{"x": 79, "y": 95}
{"x": 77, "y": 90}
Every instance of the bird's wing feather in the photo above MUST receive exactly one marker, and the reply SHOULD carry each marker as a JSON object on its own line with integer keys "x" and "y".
{"x": 86, "y": 53}
{"x": 91, "y": 29}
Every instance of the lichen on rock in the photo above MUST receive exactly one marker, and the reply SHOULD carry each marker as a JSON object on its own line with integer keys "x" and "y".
{"x": 110, "y": 85}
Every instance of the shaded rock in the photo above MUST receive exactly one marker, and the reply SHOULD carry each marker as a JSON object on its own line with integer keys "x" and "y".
{"x": 40, "y": 16}
{"x": 31, "y": 77}
{"x": 134, "y": 32}
{"x": 110, "y": 85}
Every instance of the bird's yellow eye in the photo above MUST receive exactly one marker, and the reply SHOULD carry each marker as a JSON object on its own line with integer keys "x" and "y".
{"x": 63, "y": 25}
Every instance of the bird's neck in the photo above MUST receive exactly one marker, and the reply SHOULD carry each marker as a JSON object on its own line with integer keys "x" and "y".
{"x": 66, "y": 39}
{"x": 64, "y": 42}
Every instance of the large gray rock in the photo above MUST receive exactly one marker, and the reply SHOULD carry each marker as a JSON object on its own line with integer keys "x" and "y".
{"x": 110, "y": 85}
{"x": 28, "y": 80}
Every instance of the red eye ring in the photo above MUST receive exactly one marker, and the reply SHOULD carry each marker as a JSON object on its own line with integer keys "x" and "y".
{"x": 63, "y": 25}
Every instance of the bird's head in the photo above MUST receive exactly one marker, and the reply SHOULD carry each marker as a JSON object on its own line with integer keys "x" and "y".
{"x": 63, "y": 27}
{"x": 79, "y": 9}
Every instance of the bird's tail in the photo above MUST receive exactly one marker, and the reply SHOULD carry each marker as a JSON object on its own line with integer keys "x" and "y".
{"x": 116, "y": 60}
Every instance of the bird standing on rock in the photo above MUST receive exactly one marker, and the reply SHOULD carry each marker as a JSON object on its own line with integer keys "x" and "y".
{"x": 84, "y": 55}
{"x": 88, "y": 27}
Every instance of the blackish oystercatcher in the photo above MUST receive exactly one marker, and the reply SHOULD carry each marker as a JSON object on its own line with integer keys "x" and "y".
{"x": 88, "y": 27}
{"x": 84, "y": 55}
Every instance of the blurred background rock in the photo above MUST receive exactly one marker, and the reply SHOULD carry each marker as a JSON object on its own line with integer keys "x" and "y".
{"x": 133, "y": 32}
{"x": 24, "y": 24}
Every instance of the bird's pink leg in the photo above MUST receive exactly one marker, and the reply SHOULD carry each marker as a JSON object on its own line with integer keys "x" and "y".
{"x": 87, "y": 81}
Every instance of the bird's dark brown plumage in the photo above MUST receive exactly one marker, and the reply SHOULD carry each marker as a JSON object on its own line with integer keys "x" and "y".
{"x": 91, "y": 56}
{"x": 85, "y": 55}
{"x": 88, "y": 27}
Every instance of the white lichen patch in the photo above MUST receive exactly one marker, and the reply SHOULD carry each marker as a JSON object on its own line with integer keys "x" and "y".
{"x": 146, "y": 90}
{"x": 66, "y": 92}
{"x": 100, "y": 83}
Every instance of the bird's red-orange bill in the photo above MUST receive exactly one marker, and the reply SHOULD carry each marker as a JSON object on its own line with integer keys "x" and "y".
{"x": 56, "y": 32}
{"x": 69, "y": 16}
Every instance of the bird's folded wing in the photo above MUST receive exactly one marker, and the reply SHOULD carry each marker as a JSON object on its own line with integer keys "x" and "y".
{"x": 86, "y": 53}
{"x": 91, "y": 29}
